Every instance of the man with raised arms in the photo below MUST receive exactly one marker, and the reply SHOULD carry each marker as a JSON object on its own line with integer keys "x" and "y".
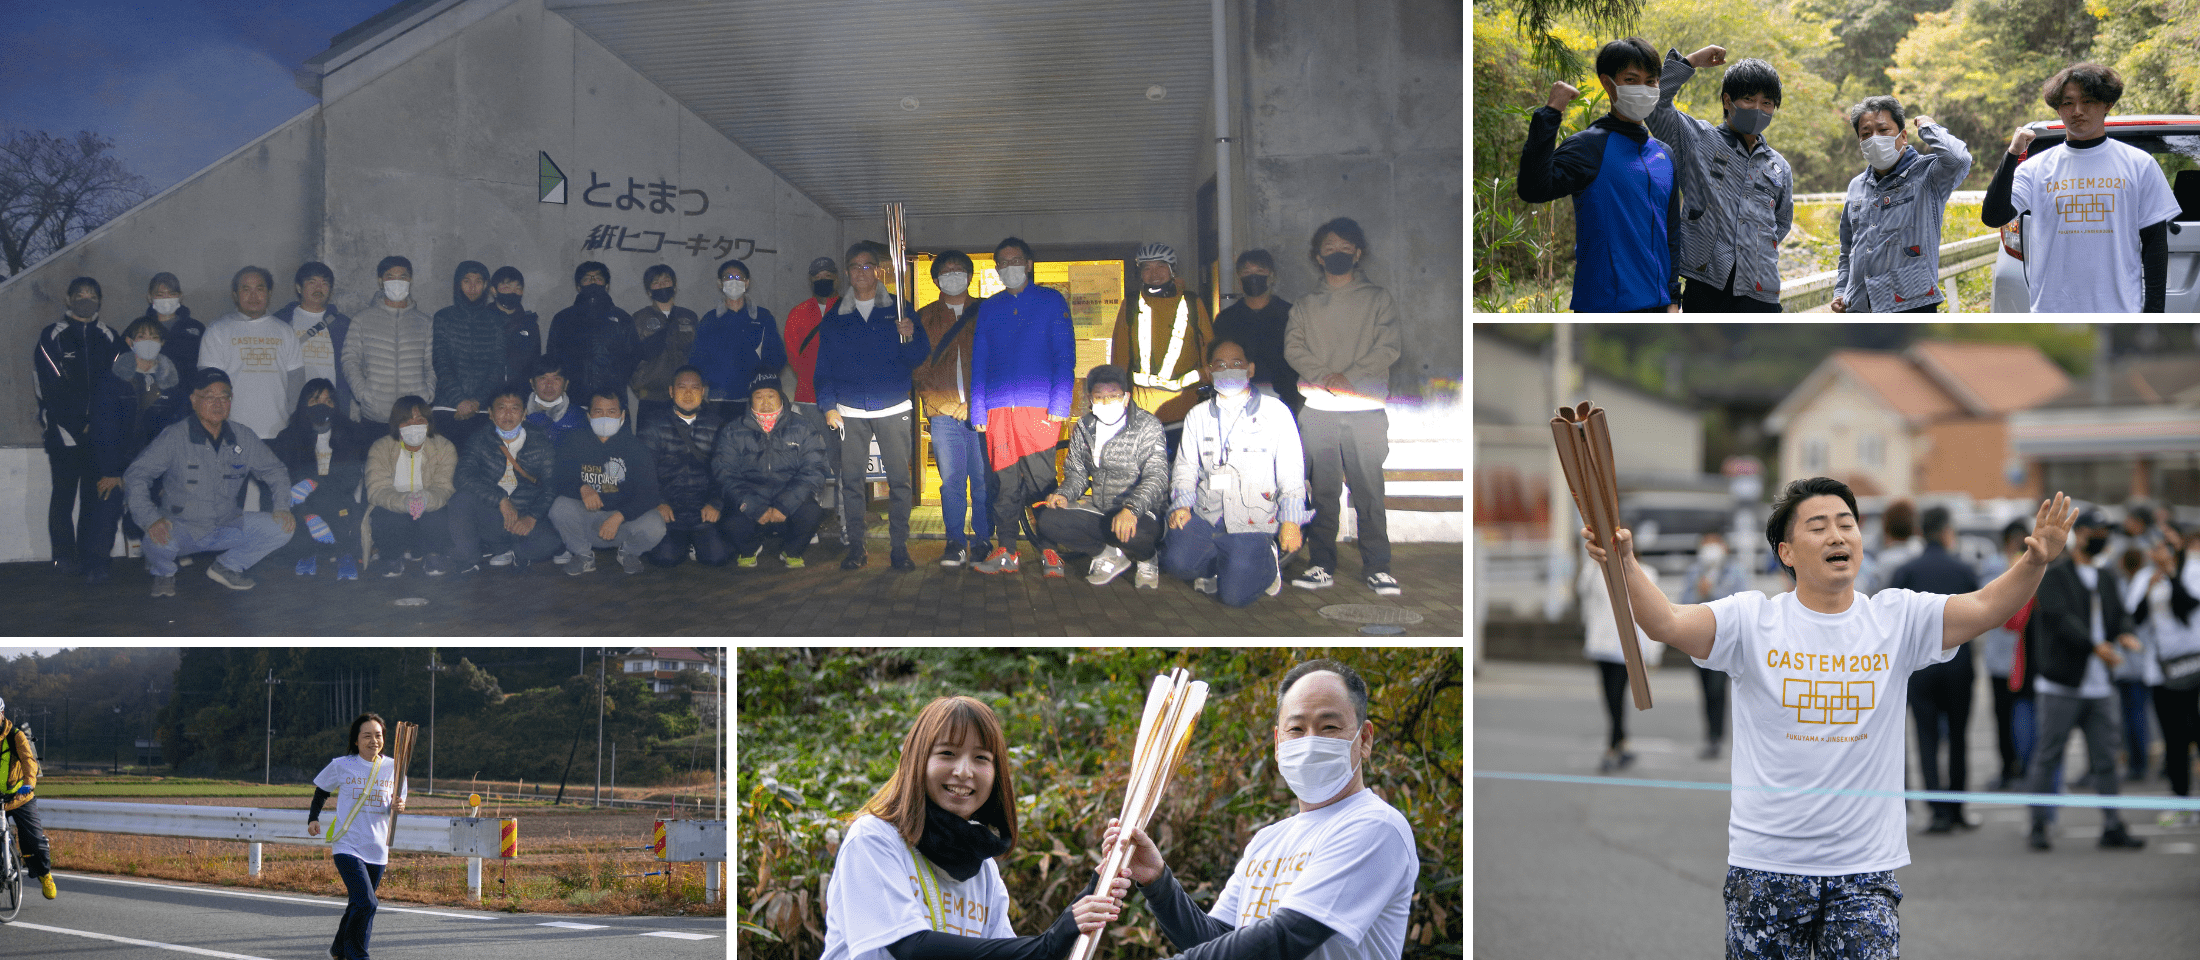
{"x": 1820, "y": 683}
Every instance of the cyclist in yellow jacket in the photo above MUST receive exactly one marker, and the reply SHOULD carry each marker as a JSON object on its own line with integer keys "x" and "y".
{"x": 19, "y": 769}
{"x": 1161, "y": 338}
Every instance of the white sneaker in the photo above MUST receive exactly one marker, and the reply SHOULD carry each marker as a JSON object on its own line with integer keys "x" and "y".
{"x": 1384, "y": 584}
{"x": 564, "y": 556}
{"x": 1107, "y": 566}
{"x": 1207, "y": 585}
{"x": 1148, "y": 576}
{"x": 1314, "y": 578}
{"x": 1276, "y": 586}
{"x": 501, "y": 560}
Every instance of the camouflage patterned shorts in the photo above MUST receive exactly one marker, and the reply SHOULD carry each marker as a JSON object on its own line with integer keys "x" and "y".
{"x": 1785, "y": 916}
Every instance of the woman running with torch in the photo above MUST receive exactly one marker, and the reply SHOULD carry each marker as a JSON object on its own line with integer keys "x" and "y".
{"x": 362, "y": 784}
{"x": 915, "y": 878}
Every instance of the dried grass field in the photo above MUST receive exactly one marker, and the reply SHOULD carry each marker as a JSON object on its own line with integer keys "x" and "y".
{"x": 571, "y": 859}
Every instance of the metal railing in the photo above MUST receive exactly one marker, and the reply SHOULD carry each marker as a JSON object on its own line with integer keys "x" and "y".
{"x": 471, "y": 837}
{"x": 1956, "y": 257}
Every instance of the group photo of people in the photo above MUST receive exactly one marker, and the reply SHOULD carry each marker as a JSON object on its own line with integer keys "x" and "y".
{"x": 412, "y": 439}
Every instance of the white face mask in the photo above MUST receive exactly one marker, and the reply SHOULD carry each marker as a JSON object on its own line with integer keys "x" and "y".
{"x": 954, "y": 284}
{"x": 1711, "y": 554}
{"x": 1014, "y": 277}
{"x": 146, "y": 349}
{"x": 1881, "y": 151}
{"x": 397, "y": 291}
{"x": 734, "y": 288}
{"x": 413, "y": 435}
{"x": 1232, "y": 382}
{"x": 605, "y": 426}
{"x": 1316, "y": 768}
{"x": 1634, "y": 101}
{"x": 1109, "y": 412}
{"x": 167, "y": 306}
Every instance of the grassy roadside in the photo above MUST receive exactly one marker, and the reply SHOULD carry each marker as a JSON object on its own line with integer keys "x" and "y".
{"x": 572, "y": 860}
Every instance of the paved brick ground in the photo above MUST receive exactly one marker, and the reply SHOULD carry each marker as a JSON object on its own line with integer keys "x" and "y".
{"x": 691, "y": 600}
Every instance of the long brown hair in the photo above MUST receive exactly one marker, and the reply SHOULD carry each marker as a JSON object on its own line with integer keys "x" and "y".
{"x": 900, "y": 802}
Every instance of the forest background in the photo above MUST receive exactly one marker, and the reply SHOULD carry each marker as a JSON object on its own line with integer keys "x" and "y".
{"x": 821, "y": 730}
{"x": 1973, "y": 65}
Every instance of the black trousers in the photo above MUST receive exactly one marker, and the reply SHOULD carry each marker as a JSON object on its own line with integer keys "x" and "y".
{"x": 710, "y": 543}
{"x": 2179, "y": 712}
{"x": 33, "y": 838}
{"x": 340, "y": 509}
{"x": 397, "y": 533}
{"x": 2005, "y": 731}
{"x": 1016, "y": 488}
{"x": 1943, "y": 692}
{"x": 1082, "y": 531}
{"x": 1714, "y": 704}
{"x": 75, "y": 482}
{"x": 1700, "y": 297}
{"x": 1614, "y": 676}
{"x": 477, "y": 530}
{"x": 794, "y": 533}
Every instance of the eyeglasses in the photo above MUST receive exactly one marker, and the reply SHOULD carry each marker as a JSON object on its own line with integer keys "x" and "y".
{"x": 862, "y": 266}
{"x": 1228, "y": 365}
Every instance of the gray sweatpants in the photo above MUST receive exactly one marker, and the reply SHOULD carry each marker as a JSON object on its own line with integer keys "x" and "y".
{"x": 577, "y": 526}
{"x": 1347, "y": 448}
{"x": 2103, "y": 736}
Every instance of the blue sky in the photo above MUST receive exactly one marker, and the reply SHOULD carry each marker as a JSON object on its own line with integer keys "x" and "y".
{"x": 176, "y": 84}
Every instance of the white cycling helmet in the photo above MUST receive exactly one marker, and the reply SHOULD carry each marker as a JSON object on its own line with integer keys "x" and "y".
{"x": 1157, "y": 251}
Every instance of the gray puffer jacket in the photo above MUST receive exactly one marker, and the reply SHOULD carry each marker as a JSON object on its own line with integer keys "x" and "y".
{"x": 388, "y": 353}
{"x": 1131, "y": 472}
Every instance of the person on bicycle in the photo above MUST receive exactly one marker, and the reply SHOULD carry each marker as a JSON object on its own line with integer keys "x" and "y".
{"x": 19, "y": 769}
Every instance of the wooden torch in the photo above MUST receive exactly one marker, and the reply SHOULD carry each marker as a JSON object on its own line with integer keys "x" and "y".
{"x": 1172, "y": 707}
{"x": 1585, "y": 452}
{"x": 401, "y": 747}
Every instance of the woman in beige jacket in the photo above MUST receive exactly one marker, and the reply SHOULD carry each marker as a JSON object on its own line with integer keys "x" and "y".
{"x": 408, "y": 485}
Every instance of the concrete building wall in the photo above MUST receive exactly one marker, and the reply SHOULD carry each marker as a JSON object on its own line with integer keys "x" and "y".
{"x": 1355, "y": 111}
{"x": 258, "y": 205}
{"x": 458, "y": 179}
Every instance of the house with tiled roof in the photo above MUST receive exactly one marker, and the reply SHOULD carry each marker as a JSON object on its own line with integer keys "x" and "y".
{"x": 666, "y": 669}
{"x": 1930, "y": 419}
{"x": 2130, "y": 432}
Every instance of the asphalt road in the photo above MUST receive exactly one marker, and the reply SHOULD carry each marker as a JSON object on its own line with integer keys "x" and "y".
{"x": 1577, "y": 870}
{"x": 114, "y": 918}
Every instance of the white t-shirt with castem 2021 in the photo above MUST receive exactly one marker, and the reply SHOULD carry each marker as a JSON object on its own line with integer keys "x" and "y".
{"x": 1349, "y": 866}
{"x": 882, "y": 891}
{"x": 368, "y": 836}
{"x": 1820, "y": 702}
{"x": 2081, "y": 245}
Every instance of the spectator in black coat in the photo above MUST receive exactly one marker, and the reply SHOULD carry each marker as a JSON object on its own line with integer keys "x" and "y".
{"x": 595, "y": 340}
{"x": 72, "y": 356}
{"x": 501, "y": 509}
{"x": 683, "y": 433}
{"x": 326, "y": 454}
{"x": 522, "y": 335}
{"x": 1941, "y": 690}
{"x": 769, "y": 466}
{"x": 2076, "y": 648}
{"x": 469, "y": 353}
{"x": 120, "y": 429}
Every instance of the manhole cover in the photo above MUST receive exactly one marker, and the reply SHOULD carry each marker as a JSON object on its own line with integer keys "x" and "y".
{"x": 1382, "y": 629}
{"x": 413, "y": 602}
{"x": 1369, "y": 613}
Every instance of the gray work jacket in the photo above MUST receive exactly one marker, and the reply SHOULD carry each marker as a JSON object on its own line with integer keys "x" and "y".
{"x": 204, "y": 476}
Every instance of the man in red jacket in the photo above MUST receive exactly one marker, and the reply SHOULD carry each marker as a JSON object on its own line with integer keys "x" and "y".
{"x": 801, "y": 340}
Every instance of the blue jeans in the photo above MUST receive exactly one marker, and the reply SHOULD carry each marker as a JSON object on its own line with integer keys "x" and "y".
{"x": 966, "y": 481}
{"x": 243, "y": 542}
{"x": 2133, "y": 693}
{"x": 357, "y": 927}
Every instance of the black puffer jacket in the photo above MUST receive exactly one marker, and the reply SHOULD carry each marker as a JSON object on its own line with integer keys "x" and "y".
{"x": 347, "y": 444}
{"x": 596, "y": 341}
{"x": 481, "y": 469}
{"x": 683, "y": 453}
{"x": 469, "y": 344}
{"x": 758, "y": 471}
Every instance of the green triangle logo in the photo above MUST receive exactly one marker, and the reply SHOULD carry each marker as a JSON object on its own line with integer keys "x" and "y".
{"x": 552, "y": 180}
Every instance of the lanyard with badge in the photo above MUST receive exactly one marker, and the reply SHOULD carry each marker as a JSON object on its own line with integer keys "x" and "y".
{"x": 1223, "y": 479}
{"x": 373, "y": 774}
{"x": 928, "y": 887}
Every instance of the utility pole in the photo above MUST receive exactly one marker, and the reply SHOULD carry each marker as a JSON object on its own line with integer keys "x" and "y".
{"x": 433, "y": 669}
{"x": 602, "y": 654}
{"x": 1558, "y": 546}
{"x": 718, "y": 743}
{"x": 267, "y": 771}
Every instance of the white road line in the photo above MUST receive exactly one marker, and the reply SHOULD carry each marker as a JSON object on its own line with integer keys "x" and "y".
{"x": 566, "y": 925}
{"x": 681, "y": 936}
{"x": 137, "y": 943}
{"x": 385, "y": 908}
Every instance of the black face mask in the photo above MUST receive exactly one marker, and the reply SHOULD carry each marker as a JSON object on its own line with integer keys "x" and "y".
{"x": 319, "y": 415}
{"x": 84, "y": 308}
{"x": 2095, "y": 544}
{"x": 661, "y": 294}
{"x": 821, "y": 288}
{"x": 1338, "y": 264}
{"x": 509, "y": 301}
{"x": 1165, "y": 290}
{"x": 1255, "y": 284}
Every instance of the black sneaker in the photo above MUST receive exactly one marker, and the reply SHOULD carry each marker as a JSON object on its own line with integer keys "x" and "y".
{"x": 855, "y": 559}
{"x": 899, "y": 559}
{"x": 956, "y": 555}
{"x": 1942, "y": 823}
{"x": 2038, "y": 838}
{"x": 2117, "y": 838}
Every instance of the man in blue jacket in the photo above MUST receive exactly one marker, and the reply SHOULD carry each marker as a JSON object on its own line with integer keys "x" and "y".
{"x": 869, "y": 345}
{"x": 606, "y": 485}
{"x": 1626, "y": 212}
